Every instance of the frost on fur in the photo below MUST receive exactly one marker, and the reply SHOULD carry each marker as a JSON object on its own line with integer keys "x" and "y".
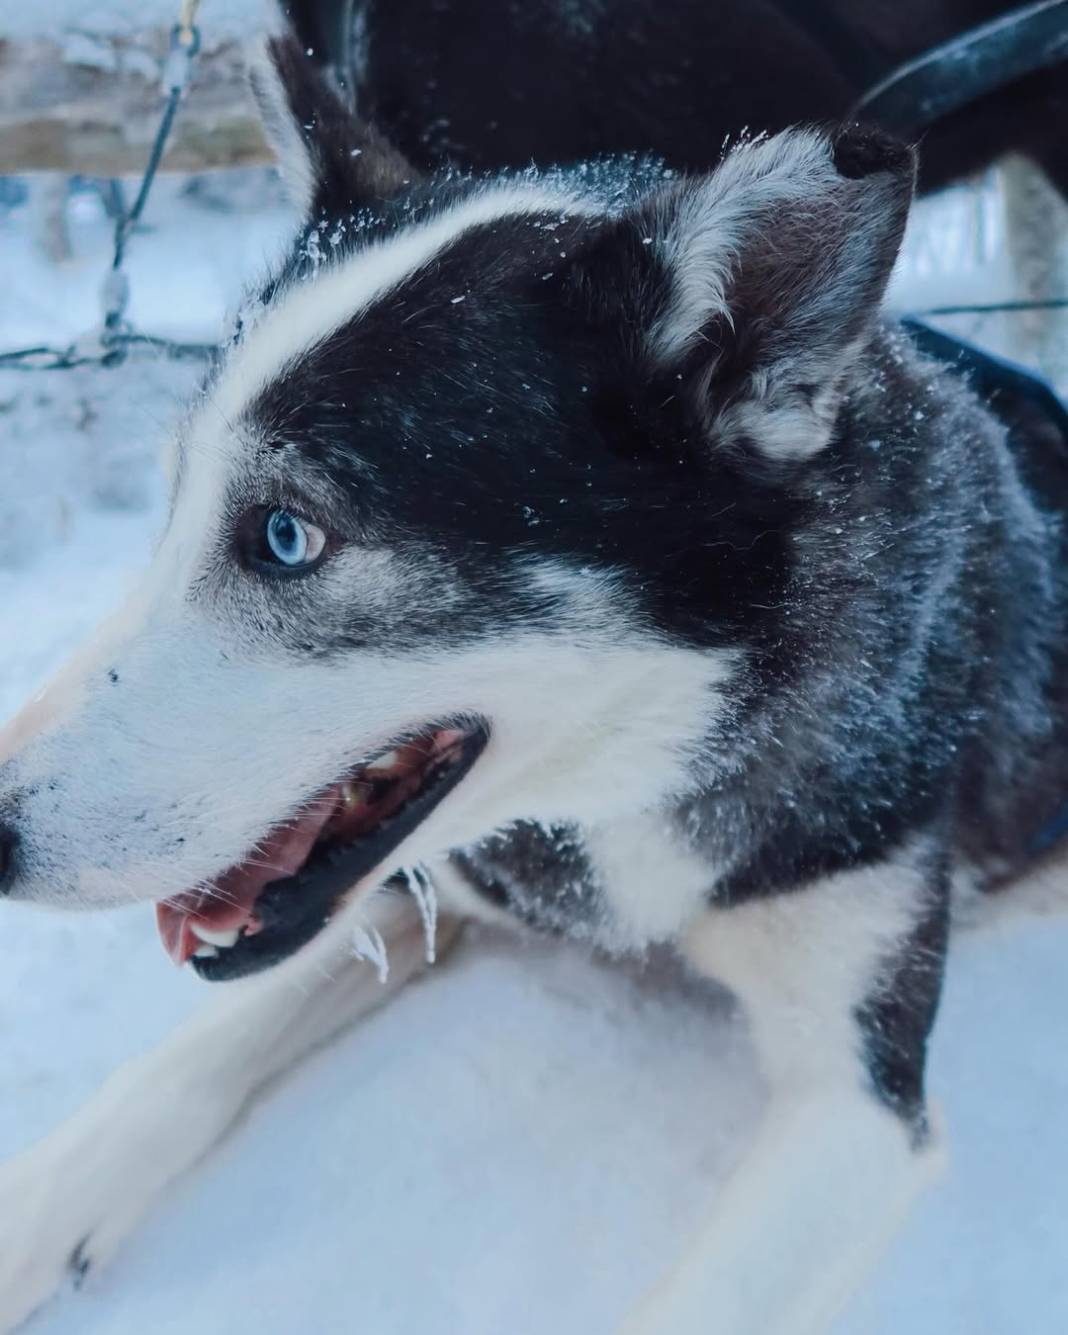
{"x": 425, "y": 894}
{"x": 367, "y": 944}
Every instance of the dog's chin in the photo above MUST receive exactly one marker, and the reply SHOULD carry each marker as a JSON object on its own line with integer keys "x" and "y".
{"x": 262, "y": 910}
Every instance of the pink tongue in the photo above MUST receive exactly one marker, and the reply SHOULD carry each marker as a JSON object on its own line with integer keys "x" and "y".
{"x": 230, "y": 900}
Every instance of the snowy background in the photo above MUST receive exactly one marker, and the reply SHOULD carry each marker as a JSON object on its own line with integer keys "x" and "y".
{"x": 113, "y": 18}
{"x": 522, "y": 1141}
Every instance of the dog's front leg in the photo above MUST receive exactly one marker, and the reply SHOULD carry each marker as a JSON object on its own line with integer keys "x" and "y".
{"x": 67, "y": 1203}
{"x": 840, "y": 982}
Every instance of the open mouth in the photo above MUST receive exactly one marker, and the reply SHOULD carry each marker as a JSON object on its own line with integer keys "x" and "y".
{"x": 264, "y": 909}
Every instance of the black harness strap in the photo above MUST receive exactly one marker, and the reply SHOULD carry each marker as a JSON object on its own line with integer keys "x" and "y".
{"x": 967, "y": 67}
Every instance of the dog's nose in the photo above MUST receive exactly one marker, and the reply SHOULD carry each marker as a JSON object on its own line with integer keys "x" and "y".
{"x": 8, "y": 840}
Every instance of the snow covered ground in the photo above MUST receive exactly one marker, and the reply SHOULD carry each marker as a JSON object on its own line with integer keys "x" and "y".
{"x": 522, "y": 1141}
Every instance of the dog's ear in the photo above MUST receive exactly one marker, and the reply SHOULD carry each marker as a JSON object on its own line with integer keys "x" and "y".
{"x": 749, "y": 292}
{"x": 332, "y": 163}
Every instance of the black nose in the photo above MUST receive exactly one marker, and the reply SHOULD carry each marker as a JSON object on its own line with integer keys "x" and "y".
{"x": 8, "y": 840}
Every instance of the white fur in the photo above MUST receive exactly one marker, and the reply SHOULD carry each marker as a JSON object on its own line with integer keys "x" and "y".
{"x": 216, "y": 740}
{"x": 651, "y": 882}
{"x": 803, "y": 962}
{"x": 282, "y": 131}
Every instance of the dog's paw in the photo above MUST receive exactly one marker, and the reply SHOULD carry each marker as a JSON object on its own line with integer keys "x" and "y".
{"x": 47, "y": 1237}
{"x": 68, "y": 1204}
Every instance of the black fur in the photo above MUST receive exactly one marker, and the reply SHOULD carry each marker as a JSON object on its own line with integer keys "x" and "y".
{"x": 516, "y": 395}
{"x": 540, "y": 876}
{"x": 896, "y": 1020}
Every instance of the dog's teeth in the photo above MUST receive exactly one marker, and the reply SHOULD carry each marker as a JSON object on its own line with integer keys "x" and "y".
{"x": 224, "y": 940}
{"x": 387, "y": 761}
{"x": 205, "y": 953}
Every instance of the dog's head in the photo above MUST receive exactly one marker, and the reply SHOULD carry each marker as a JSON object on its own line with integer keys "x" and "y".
{"x": 490, "y": 502}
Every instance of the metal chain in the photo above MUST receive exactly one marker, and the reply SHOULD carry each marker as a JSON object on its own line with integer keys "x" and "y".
{"x": 115, "y": 340}
{"x": 104, "y": 348}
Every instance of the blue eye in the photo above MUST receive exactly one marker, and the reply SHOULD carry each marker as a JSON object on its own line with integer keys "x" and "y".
{"x": 291, "y": 542}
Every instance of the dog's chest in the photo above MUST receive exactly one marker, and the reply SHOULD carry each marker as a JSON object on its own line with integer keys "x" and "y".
{"x": 621, "y": 886}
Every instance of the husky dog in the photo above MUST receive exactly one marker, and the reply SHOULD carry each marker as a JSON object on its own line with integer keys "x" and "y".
{"x": 577, "y": 548}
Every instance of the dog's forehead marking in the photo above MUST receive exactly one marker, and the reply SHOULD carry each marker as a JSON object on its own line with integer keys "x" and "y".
{"x": 307, "y": 312}
{"x": 219, "y": 441}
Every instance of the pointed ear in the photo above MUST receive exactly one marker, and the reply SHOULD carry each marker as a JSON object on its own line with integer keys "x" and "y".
{"x": 331, "y": 162}
{"x": 761, "y": 283}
